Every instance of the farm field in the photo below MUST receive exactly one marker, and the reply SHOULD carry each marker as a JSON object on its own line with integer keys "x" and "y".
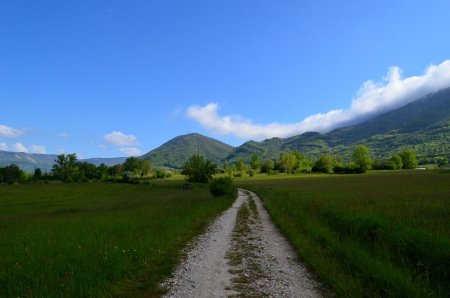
{"x": 377, "y": 234}
{"x": 97, "y": 239}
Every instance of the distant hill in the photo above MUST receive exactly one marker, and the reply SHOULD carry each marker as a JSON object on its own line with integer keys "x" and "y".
{"x": 107, "y": 161}
{"x": 411, "y": 118}
{"x": 423, "y": 124}
{"x": 29, "y": 162}
{"x": 174, "y": 153}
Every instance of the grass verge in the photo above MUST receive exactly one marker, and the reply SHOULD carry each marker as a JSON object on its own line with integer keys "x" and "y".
{"x": 378, "y": 234}
{"x": 97, "y": 239}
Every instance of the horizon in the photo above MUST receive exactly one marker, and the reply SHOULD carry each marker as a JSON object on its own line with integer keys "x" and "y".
{"x": 108, "y": 80}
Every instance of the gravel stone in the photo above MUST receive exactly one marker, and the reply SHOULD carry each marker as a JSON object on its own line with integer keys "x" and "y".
{"x": 205, "y": 271}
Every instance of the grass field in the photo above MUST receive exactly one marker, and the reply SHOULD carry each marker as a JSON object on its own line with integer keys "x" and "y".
{"x": 96, "y": 239}
{"x": 377, "y": 234}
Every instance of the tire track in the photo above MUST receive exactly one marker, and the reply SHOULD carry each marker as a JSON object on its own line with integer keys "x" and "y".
{"x": 241, "y": 254}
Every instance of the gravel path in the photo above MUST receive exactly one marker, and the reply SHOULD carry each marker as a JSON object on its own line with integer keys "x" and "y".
{"x": 241, "y": 254}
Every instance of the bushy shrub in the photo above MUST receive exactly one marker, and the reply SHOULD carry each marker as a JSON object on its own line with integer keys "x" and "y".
{"x": 199, "y": 169}
{"x": 326, "y": 163}
{"x": 12, "y": 174}
{"x": 409, "y": 158}
{"x": 267, "y": 166}
{"x": 222, "y": 186}
{"x": 384, "y": 165}
{"x": 347, "y": 170}
{"x": 162, "y": 173}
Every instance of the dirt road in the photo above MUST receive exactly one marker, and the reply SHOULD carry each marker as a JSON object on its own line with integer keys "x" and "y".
{"x": 241, "y": 254}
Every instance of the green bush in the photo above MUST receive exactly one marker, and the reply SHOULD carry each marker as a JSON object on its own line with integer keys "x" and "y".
{"x": 199, "y": 169}
{"x": 162, "y": 173}
{"x": 222, "y": 186}
{"x": 384, "y": 165}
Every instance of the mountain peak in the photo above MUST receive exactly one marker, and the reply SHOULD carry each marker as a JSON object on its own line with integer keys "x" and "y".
{"x": 175, "y": 152}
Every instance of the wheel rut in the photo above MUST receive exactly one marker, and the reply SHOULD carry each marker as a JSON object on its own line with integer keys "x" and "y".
{"x": 241, "y": 254}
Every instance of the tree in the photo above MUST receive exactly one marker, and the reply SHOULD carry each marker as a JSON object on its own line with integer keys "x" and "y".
{"x": 86, "y": 171}
{"x": 146, "y": 168}
{"x": 226, "y": 165}
{"x": 37, "y": 174}
{"x": 114, "y": 171}
{"x": 361, "y": 158}
{"x": 267, "y": 166}
{"x": 12, "y": 174}
{"x": 199, "y": 169}
{"x": 137, "y": 166}
{"x": 325, "y": 163}
{"x": 132, "y": 165}
{"x": 384, "y": 165}
{"x": 397, "y": 160}
{"x": 162, "y": 173}
{"x": 409, "y": 159}
{"x": 103, "y": 171}
{"x": 288, "y": 161}
{"x": 240, "y": 167}
{"x": 254, "y": 164}
{"x": 65, "y": 167}
{"x": 442, "y": 161}
{"x": 303, "y": 164}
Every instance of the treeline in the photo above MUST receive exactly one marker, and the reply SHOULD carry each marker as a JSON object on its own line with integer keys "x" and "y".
{"x": 296, "y": 162}
{"x": 68, "y": 168}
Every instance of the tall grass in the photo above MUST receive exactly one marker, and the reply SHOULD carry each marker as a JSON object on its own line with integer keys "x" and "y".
{"x": 379, "y": 234}
{"x": 96, "y": 239}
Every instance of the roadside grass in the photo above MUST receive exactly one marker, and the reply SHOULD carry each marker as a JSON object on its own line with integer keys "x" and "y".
{"x": 97, "y": 239}
{"x": 377, "y": 234}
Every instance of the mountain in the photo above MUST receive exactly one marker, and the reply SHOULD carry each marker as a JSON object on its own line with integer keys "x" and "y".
{"x": 29, "y": 162}
{"x": 423, "y": 124}
{"x": 174, "y": 153}
{"x": 411, "y": 118}
{"x": 107, "y": 161}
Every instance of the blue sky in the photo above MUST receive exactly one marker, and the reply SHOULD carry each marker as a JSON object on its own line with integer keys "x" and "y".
{"x": 110, "y": 78}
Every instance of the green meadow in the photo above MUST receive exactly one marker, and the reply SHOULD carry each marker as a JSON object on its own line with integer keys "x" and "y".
{"x": 97, "y": 239}
{"x": 378, "y": 234}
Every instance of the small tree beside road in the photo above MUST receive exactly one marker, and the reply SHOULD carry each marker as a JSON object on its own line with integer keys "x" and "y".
{"x": 199, "y": 169}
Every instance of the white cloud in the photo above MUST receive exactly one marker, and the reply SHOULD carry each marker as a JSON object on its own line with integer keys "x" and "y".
{"x": 6, "y": 131}
{"x": 38, "y": 149}
{"x": 19, "y": 147}
{"x": 372, "y": 99}
{"x": 130, "y": 151}
{"x": 80, "y": 155}
{"x": 119, "y": 139}
{"x": 63, "y": 135}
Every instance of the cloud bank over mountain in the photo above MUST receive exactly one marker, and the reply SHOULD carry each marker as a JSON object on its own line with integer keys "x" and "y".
{"x": 372, "y": 99}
